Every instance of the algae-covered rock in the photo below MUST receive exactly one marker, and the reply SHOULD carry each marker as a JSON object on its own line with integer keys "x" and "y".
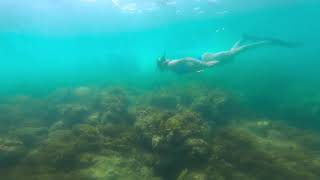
{"x": 185, "y": 125}
{"x": 63, "y": 148}
{"x": 30, "y": 135}
{"x": 118, "y": 167}
{"x": 94, "y": 119}
{"x": 114, "y": 99}
{"x": 58, "y": 125}
{"x": 113, "y": 105}
{"x": 161, "y": 130}
{"x": 82, "y": 91}
{"x": 73, "y": 113}
{"x": 180, "y": 140}
{"x": 216, "y": 106}
{"x": 240, "y": 154}
{"x": 119, "y": 137}
{"x": 150, "y": 127}
{"x": 87, "y": 138}
{"x": 10, "y": 151}
{"x": 164, "y": 101}
{"x": 197, "y": 149}
{"x": 58, "y": 150}
{"x": 194, "y": 175}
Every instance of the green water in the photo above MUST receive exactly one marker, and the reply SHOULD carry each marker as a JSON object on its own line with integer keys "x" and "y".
{"x": 82, "y": 97}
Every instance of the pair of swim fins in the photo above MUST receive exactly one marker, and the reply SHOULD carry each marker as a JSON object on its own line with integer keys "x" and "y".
{"x": 274, "y": 41}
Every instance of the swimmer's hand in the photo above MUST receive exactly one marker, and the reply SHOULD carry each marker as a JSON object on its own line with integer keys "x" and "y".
{"x": 212, "y": 63}
{"x": 200, "y": 71}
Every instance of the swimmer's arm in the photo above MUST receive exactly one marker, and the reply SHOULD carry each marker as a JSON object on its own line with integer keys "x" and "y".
{"x": 208, "y": 65}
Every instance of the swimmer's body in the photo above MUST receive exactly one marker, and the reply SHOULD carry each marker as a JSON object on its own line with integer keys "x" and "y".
{"x": 209, "y": 60}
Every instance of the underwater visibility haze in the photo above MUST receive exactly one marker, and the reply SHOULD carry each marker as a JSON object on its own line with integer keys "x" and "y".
{"x": 159, "y": 89}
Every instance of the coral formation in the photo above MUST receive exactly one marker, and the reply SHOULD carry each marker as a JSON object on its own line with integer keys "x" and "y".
{"x": 73, "y": 113}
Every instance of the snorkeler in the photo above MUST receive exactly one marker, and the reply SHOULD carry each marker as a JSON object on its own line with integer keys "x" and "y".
{"x": 209, "y": 60}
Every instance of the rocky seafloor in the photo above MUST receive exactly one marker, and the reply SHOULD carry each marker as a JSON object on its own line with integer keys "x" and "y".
{"x": 111, "y": 133}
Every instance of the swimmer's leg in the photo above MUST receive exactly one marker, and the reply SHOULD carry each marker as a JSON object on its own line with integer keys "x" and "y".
{"x": 239, "y": 43}
{"x": 227, "y": 56}
{"x": 267, "y": 41}
{"x": 224, "y": 54}
{"x": 208, "y": 64}
{"x": 243, "y": 48}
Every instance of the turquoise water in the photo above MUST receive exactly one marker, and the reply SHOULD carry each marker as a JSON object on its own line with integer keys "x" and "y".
{"x": 71, "y": 39}
{"x": 51, "y": 50}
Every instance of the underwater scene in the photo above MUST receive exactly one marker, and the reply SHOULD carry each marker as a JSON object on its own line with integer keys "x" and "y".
{"x": 159, "y": 90}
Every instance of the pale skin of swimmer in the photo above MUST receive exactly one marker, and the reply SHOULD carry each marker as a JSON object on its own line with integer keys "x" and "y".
{"x": 209, "y": 60}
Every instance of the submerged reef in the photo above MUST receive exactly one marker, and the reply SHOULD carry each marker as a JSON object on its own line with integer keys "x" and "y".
{"x": 113, "y": 133}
